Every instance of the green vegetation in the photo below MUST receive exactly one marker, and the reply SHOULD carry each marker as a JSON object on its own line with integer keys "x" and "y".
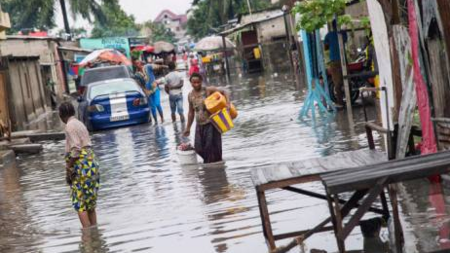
{"x": 158, "y": 32}
{"x": 118, "y": 23}
{"x": 315, "y": 14}
{"x": 209, "y": 15}
{"x": 41, "y": 14}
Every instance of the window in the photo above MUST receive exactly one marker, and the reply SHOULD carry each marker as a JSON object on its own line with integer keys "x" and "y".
{"x": 119, "y": 86}
{"x": 178, "y": 28}
{"x": 165, "y": 16}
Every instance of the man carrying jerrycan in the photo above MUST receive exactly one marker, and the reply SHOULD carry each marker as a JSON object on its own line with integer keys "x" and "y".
{"x": 213, "y": 112}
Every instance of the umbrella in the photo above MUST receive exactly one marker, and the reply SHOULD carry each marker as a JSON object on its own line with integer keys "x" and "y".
{"x": 213, "y": 43}
{"x": 111, "y": 55}
{"x": 146, "y": 48}
{"x": 163, "y": 47}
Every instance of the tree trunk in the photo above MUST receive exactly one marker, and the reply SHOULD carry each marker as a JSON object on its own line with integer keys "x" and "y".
{"x": 66, "y": 19}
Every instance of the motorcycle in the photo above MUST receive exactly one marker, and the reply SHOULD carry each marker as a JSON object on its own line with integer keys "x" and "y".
{"x": 355, "y": 82}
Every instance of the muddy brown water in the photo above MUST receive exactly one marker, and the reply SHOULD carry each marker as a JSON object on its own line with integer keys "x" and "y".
{"x": 149, "y": 203}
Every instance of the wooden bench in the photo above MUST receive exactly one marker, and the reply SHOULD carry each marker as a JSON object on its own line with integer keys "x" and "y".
{"x": 367, "y": 183}
{"x": 285, "y": 175}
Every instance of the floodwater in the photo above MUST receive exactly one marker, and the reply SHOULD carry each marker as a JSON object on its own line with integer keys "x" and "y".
{"x": 149, "y": 203}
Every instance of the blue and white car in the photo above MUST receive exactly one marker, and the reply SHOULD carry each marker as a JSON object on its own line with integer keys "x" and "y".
{"x": 113, "y": 103}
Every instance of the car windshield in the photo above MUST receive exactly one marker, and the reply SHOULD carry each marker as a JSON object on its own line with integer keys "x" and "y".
{"x": 104, "y": 73}
{"x": 107, "y": 88}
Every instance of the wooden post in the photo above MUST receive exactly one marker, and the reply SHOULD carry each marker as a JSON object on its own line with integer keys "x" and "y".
{"x": 288, "y": 38}
{"x": 345, "y": 74}
{"x": 397, "y": 225}
{"x": 265, "y": 219}
{"x": 227, "y": 65}
{"x": 339, "y": 224}
{"x": 443, "y": 9}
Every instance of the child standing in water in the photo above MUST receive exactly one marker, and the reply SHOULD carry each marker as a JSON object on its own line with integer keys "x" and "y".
{"x": 82, "y": 169}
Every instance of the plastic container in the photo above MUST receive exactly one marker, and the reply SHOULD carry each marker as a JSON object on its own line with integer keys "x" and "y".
{"x": 233, "y": 112}
{"x": 222, "y": 121}
{"x": 188, "y": 157}
{"x": 215, "y": 102}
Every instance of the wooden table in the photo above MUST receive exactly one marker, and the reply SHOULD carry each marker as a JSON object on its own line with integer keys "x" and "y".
{"x": 367, "y": 183}
{"x": 285, "y": 175}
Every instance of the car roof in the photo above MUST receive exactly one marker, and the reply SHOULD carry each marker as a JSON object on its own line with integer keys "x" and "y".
{"x": 103, "y": 68}
{"x": 111, "y": 81}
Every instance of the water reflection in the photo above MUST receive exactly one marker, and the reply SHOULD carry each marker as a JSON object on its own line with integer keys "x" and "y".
{"x": 17, "y": 230}
{"x": 92, "y": 241}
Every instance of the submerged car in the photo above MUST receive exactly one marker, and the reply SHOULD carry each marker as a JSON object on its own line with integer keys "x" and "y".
{"x": 113, "y": 103}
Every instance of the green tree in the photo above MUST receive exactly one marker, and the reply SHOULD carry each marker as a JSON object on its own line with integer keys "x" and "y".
{"x": 158, "y": 32}
{"x": 208, "y": 15}
{"x": 118, "y": 23}
{"x": 41, "y": 13}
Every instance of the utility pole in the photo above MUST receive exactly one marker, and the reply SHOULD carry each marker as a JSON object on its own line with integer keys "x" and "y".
{"x": 66, "y": 19}
{"x": 249, "y": 7}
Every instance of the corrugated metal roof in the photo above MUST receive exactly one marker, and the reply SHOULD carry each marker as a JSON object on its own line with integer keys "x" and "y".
{"x": 254, "y": 19}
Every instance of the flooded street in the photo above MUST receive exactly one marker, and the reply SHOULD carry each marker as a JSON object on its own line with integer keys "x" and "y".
{"x": 149, "y": 203}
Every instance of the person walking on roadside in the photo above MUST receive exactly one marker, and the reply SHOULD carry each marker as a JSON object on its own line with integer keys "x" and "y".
{"x": 208, "y": 140}
{"x": 332, "y": 43}
{"x": 82, "y": 168}
{"x": 174, "y": 87}
{"x": 154, "y": 98}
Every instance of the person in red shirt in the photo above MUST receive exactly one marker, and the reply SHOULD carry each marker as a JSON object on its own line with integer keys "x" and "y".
{"x": 194, "y": 67}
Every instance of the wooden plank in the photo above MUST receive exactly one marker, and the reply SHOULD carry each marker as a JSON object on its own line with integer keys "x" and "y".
{"x": 404, "y": 172}
{"x": 390, "y": 165}
{"x": 303, "y": 234}
{"x": 258, "y": 177}
{"x": 365, "y": 206}
{"x": 443, "y": 18}
{"x": 265, "y": 219}
{"x": 409, "y": 98}
{"x": 439, "y": 78}
{"x": 314, "y": 166}
{"x": 383, "y": 52}
{"x": 384, "y": 166}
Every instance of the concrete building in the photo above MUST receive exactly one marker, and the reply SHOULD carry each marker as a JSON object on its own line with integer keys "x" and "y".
{"x": 173, "y": 22}
{"x": 263, "y": 32}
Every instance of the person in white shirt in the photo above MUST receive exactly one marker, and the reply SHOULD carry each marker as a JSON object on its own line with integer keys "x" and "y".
{"x": 174, "y": 87}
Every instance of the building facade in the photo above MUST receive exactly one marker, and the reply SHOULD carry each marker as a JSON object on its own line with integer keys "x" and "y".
{"x": 173, "y": 22}
{"x": 47, "y": 50}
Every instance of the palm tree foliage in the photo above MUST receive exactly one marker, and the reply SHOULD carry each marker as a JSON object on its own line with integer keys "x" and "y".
{"x": 117, "y": 22}
{"x": 209, "y": 15}
{"x": 41, "y": 13}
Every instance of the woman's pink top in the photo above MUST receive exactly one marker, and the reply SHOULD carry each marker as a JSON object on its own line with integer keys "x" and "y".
{"x": 77, "y": 136}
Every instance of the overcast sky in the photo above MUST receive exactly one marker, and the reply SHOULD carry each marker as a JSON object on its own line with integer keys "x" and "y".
{"x": 143, "y": 10}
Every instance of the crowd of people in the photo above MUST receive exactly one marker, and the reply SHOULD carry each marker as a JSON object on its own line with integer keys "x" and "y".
{"x": 82, "y": 167}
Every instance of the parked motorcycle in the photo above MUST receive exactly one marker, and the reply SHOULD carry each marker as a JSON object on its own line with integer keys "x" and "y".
{"x": 355, "y": 82}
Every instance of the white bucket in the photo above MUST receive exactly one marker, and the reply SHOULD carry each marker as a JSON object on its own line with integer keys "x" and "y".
{"x": 187, "y": 157}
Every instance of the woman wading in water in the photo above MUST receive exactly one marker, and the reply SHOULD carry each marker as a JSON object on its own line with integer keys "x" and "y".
{"x": 208, "y": 140}
{"x": 82, "y": 169}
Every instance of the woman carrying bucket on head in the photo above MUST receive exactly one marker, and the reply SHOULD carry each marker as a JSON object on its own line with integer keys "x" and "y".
{"x": 208, "y": 140}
